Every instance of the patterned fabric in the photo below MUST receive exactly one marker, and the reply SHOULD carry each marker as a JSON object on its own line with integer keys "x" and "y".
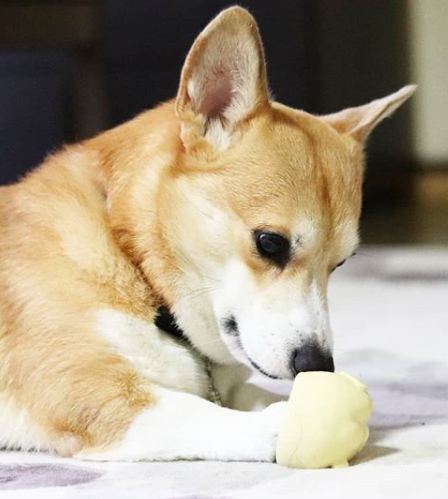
{"x": 34, "y": 476}
{"x": 389, "y": 315}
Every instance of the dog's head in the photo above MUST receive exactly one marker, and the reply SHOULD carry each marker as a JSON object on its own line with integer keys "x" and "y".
{"x": 272, "y": 199}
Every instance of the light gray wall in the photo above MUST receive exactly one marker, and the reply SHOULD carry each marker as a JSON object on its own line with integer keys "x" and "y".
{"x": 429, "y": 68}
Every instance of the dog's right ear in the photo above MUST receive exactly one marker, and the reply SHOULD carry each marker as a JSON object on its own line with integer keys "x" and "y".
{"x": 223, "y": 81}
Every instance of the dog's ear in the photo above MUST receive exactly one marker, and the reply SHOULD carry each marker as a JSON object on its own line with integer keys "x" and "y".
{"x": 360, "y": 121}
{"x": 223, "y": 80}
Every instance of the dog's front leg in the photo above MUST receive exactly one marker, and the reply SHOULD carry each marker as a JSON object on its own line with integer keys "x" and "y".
{"x": 184, "y": 426}
{"x": 236, "y": 390}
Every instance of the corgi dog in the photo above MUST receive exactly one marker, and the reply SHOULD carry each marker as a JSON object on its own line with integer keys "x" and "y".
{"x": 228, "y": 209}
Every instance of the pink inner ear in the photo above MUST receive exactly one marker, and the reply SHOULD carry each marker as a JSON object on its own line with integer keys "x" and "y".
{"x": 216, "y": 94}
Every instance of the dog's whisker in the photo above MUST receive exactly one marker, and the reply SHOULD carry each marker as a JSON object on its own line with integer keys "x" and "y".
{"x": 368, "y": 255}
{"x": 211, "y": 342}
{"x": 211, "y": 278}
{"x": 195, "y": 206}
{"x": 195, "y": 293}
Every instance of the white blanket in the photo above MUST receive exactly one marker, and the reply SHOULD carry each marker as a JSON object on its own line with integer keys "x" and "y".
{"x": 390, "y": 317}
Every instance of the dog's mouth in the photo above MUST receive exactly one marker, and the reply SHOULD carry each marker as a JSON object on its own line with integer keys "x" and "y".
{"x": 230, "y": 327}
{"x": 165, "y": 321}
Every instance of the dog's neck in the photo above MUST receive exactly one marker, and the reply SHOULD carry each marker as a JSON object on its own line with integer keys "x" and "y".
{"x": 138, "y": 203}
{"x": 194, "y": 315}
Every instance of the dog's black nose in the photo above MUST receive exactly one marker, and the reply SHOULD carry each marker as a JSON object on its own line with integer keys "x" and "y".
{"x": 311, "y": 358}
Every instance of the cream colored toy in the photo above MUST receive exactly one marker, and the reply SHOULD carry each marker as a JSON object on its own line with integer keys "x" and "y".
{"x": 326, "y": 421}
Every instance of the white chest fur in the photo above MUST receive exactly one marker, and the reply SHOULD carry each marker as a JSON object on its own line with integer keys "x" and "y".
{"x": 157, "y": 356}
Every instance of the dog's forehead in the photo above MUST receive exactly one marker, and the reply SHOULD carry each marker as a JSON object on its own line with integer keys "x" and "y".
{"x": 299, "y": 175}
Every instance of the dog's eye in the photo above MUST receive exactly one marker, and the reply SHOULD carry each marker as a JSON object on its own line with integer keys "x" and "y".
{"x": 273, "y": 246}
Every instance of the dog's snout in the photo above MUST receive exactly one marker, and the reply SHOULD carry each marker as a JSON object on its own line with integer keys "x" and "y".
{"x": 311, "y": 358}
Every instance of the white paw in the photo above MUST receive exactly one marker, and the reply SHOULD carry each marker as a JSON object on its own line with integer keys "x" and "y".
{"x": 273, "y": 416}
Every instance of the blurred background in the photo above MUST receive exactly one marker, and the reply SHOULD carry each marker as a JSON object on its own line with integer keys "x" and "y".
{"x": 69, "y": 69}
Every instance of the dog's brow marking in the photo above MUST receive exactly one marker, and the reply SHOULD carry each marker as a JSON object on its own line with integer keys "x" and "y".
{"x": 306, "y": 232}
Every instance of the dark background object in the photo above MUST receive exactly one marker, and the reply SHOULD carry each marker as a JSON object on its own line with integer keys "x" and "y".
{"x": 52, "y": 80}
{"x": 33, "y": 94}
{"x": 147, "y": 42}
{"x": 364, "y": 54}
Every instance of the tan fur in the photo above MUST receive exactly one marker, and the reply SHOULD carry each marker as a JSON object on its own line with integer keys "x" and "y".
{"x": 107, "y": 223}
{"x": 58, "y": 264}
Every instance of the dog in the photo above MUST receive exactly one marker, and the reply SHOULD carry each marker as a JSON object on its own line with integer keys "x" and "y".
{"x": 226, "y": 208}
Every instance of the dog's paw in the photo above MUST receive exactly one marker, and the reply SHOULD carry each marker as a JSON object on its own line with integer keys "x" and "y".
{"x": 272, "y": 418}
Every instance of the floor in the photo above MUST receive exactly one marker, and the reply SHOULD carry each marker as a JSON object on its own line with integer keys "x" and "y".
{"x": 422, "y": 219}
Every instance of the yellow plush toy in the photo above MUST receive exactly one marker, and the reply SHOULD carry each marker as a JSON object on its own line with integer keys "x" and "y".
{"x": 326, "y": 421}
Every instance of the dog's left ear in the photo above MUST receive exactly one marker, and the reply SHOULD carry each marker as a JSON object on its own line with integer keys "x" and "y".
{"x": 223, "y": 81}
{"x": 360, "y": 121}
